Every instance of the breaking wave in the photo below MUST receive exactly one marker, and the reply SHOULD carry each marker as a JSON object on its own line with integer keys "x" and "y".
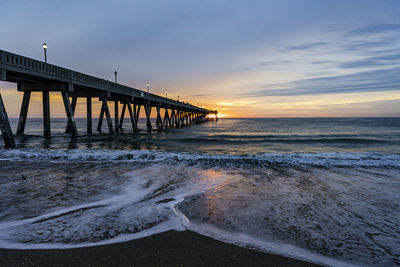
{"x": 334, "y": 159}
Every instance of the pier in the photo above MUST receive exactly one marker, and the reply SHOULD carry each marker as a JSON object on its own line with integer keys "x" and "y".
{"x": 37, "y": 76}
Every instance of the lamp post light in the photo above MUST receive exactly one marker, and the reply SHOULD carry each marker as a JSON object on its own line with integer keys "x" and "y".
{"x": 115, "y": 75}
{"x": 166, "y": 94}
{"x": 45, "y": 52}
{"x": 148, "y": 87}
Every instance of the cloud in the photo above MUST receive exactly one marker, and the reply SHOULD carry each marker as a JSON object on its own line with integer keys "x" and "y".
{"x": 384, "y": 60}
{"x": 367, "y": 81}
{"x": 237, "y": 103}
{"x": 305, "y": 47}
{"x": 364, "y": 45}
{"x": 275, "y": 62}
{"x": 323, "y": 62}
{"x": 374, "y": 29}
{"x": 320, "y": 73}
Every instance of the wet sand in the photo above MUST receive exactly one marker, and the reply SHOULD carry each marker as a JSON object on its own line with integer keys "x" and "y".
{"x": 166, "y": 249}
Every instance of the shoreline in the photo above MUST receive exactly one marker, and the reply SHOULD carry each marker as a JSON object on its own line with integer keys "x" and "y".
{"x": 171, "y": 248}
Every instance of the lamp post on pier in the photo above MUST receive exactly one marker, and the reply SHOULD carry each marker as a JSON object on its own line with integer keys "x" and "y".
{"x": 166, "y": 94}
{"x": 148, "y": 87}
{"x": 115, "y": 75}
{"x": 45, "y": 52}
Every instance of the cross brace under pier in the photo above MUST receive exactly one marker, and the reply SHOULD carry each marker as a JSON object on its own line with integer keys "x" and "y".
{"x": 8, "y": 137}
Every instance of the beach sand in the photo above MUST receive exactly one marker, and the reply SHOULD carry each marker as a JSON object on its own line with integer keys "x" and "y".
{"x": 171, "y": 248}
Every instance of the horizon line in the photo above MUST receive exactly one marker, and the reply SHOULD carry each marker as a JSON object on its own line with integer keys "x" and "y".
{"x": 220, "y": 118}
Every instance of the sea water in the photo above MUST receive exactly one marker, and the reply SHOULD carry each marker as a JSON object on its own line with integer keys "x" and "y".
{"x": 323, "y": 190}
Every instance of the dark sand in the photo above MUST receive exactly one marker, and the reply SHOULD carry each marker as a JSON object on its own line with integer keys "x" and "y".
{"x": 166, "y": 249}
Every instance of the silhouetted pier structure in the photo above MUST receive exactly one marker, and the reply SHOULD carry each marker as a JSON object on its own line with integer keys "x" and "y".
{"x": 37, "y": 76}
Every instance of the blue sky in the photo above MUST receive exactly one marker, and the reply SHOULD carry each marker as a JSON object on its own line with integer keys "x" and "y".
{"x": 246, "y": 58}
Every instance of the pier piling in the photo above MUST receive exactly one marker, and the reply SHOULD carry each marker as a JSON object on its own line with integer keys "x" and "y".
{"x": 158, "y": 120}
{"x": 46, "y": 113}
{"x": 108, "y": 116}
{"x": 89, "y": 114}
{"x": 137, "y": 112}
{"x": 70, "y": 113}
{"x": 121, "y": 120}
{"x": 24, "y": 112}
{"x": 8, "y": 137}
{"x": 116, "y": 116}
{"x": 147, "y": 110}
{"x": 73, "y": 106}
{"x": 100, "y": 122}
{"x": 132, "y": 117}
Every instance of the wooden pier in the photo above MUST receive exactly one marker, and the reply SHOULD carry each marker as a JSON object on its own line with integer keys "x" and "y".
{"x": 36, "y": 76}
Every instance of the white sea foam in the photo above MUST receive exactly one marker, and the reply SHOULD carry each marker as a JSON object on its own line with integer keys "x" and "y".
{"x": 346, "y": 159}
{"x": 146, "y": 204}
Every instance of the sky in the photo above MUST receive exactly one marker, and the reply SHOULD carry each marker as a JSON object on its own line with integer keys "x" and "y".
{"x": 270, "y": 58}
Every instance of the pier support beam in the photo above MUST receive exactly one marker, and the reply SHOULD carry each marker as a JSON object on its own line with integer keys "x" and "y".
{"x": 147, "y": 110}
{"x": 24, "y": 112}
{"x": 159, "y": 120}
{"x": 136, "y": 112}
{"x": 6, "y": 132}
{"x": 172, "y": 118}
{"x": 116, "y": 116}
{"x": 121, "y": 120}
{"x": 133, "y": 117}
{"x": 105, "y": 111}
{"x": 73, "y": 106}
{"x": 177, "y": 119}
{"x": 70, "y": 114}
{"x": 46, "y": 113}
{"x": 167, "y": 121}
{"x": 175, "y": 124}
{"x": 89, "y": 114}
{"x": 100, "y": 122}
{"x": 180, "y": 118}
{"x": 108, "y": 117}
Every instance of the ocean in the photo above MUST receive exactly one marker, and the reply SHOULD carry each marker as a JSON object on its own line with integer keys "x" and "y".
{"x": 325, "y": 190}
